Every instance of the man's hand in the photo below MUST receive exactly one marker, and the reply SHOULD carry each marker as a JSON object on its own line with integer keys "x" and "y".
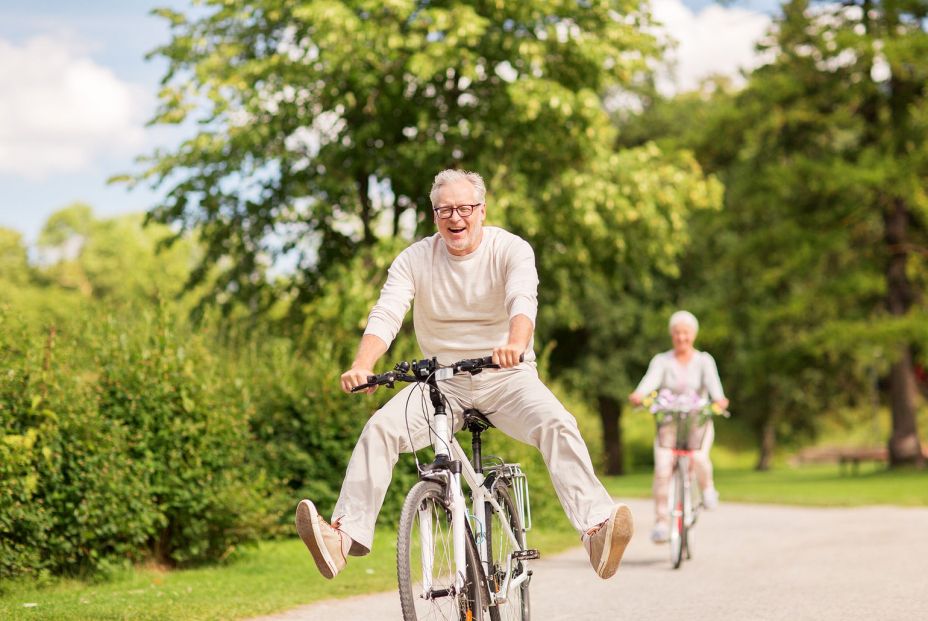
{"x": 635, "y": 398}
{"x": 355, "y": 376}
{"x": 722, "y": 403}
{"x": 507, "y": 356}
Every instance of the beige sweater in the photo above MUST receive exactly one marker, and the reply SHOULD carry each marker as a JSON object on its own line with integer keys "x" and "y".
{"x": 462, "y": 305}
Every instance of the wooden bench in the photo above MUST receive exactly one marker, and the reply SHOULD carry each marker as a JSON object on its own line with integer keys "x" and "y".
{"x": 848, "y": 457}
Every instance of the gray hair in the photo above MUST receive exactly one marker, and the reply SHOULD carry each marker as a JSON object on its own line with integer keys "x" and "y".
{"x": 451, "y": 175}
{"x": 686, "y": 318}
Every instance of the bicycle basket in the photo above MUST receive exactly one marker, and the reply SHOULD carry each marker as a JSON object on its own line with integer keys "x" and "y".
{"x": 683, "y": 431}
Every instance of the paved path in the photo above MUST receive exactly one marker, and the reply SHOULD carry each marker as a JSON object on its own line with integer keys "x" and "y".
{"x": 749, "y": 562}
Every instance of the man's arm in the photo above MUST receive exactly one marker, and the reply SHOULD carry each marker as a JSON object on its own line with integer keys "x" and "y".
{"x": 383, "y": 322}
{"x": 521, "y": 329}
{"x": 369, "y": 352}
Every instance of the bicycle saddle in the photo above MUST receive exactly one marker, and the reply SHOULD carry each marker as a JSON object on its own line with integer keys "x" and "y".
{"x": 476, "y": 421}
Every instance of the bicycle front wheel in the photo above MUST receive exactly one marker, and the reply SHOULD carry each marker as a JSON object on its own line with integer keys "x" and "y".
{"x": 506, "y": 576}
{"x": 425, "y": 561}
{"x": 677, "y": 517}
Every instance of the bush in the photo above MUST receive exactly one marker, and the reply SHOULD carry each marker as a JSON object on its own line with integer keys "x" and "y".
{"x": 123, "y": 438}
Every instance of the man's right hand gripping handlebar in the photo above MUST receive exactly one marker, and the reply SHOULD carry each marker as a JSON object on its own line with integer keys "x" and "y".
{"x": 355, "y": 377}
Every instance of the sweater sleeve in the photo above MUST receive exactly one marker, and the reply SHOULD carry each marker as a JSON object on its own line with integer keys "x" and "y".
{"x": 386, "y": 318}
{"x": 653, "y": 379}
{"x": 521, "y": 281}
{"x": 711, "y": 381}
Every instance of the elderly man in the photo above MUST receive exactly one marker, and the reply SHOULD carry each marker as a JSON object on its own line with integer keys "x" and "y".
{"x": 475, "y": 292}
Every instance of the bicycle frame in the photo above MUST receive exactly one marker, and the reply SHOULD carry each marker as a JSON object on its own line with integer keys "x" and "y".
{"x": 450, "y": 465}
{"x": 446, "y": 446}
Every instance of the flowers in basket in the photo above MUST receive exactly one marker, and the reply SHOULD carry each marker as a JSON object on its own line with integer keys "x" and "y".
{"x": 666, "y": 403}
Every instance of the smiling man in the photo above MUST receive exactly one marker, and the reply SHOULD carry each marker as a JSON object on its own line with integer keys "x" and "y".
{"x": 475, "y": 292}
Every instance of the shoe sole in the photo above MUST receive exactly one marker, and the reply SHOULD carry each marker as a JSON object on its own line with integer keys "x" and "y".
{"x": 307, "y": 525}
{"x": 619, "y": 531}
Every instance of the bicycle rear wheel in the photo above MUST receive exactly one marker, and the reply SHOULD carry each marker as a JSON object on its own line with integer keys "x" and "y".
{"x": 425, "y": 561}
{"x": 677, "y": 517}
{"x": 503, "y": 570}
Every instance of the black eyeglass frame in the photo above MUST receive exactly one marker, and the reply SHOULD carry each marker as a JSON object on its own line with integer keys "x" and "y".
{"x": 458, "y": 208}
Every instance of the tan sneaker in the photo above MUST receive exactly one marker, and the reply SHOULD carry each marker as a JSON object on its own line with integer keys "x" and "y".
{"x": 328, "y": 545}
{"x": 606, "y": 542}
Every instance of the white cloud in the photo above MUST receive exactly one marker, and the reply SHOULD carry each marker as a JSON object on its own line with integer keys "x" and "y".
{"x": 717, "y": 40}
{"x": 59, "y": 110}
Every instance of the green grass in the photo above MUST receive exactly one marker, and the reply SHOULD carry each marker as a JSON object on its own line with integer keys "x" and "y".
{"x": 270, "y": 577}
{"x": 279, "y": 575}
{"x": 810, "y": 486}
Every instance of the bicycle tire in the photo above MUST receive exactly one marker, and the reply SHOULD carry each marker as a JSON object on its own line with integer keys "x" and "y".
{"x": 429, "y": 497}
{"x": 677, "y": 519}
{"x": 498, "y": 548}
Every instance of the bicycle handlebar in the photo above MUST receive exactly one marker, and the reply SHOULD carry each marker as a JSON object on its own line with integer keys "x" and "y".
{"x": 423, "y": 370}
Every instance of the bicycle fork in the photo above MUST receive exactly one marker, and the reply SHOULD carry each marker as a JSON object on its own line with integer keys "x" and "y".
{"x": 443, "y": 459}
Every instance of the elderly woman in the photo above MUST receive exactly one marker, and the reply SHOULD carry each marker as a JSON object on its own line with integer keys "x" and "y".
{"x": 683, "y": 369}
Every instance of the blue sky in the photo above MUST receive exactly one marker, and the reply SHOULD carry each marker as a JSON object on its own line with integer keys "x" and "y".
{"x": 52, "y": 51}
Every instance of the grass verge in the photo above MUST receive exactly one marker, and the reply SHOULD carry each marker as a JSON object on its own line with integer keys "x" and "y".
{"x": 818, "y": 486}
{"x": 270, "y": 577}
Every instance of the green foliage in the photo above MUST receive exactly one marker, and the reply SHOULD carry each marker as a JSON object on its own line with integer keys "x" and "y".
{"x": 188, "y": 433}
{"x": 91, "y": 256}
{"x": 324, "y": 122}
{"x": 122, "y": 441}
{"x": 809, "y": 280}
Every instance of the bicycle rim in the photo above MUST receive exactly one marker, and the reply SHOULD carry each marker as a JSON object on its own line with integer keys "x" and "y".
{"x": 425, "y": 561}
{"x": 677, "y": 518}
{"x": 502, "y": 569}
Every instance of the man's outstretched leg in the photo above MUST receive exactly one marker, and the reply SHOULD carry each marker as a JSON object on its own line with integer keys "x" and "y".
{"x": 370, "y": 469}
{"x": 526, "y": 410}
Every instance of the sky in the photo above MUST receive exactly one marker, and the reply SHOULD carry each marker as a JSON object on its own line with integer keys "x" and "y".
{"x": 76, "y": 92}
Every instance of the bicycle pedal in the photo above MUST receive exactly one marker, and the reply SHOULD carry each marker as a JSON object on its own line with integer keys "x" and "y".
{"x": 526, "y": 555}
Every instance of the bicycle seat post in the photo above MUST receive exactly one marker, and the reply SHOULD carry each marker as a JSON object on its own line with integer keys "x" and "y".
{"x": 476, "y": 448}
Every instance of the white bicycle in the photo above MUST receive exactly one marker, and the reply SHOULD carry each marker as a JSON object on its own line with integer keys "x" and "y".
{"x": 454, "y": 562}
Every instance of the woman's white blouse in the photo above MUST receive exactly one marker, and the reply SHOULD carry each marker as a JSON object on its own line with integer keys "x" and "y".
{"x": 699, "y": 375}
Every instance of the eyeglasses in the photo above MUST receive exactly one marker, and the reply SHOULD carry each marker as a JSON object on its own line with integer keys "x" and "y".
{"x": 463, "y": 210}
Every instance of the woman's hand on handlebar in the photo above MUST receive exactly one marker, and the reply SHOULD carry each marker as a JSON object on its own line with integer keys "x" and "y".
{"x": 508, "y": 355}
{"x": 355, "y": 376}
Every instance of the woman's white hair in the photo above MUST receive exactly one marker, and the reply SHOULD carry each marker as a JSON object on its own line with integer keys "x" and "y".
{"x": 686, "y": 318}
{"x": 451, "y": 175}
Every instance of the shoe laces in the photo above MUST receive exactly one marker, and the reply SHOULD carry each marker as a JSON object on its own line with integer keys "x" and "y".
{"x": 596, "y": 528}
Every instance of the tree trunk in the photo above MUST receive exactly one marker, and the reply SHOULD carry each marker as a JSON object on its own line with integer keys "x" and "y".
{"x": 364, "y": 198}
{"x": 904, "y": 446}
{"x": 610, "y": 413}
{"x": 768, "y": 443}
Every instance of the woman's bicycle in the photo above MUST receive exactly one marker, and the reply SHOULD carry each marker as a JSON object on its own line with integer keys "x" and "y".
{"x": 682, "y": 421}
{"x": 455, "y": 563}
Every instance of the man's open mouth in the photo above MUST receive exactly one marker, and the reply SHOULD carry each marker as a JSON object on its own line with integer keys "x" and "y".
{"x": 456, "y": 231}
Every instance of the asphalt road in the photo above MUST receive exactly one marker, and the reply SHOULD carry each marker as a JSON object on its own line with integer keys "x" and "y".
{"x": 751, "y": 562}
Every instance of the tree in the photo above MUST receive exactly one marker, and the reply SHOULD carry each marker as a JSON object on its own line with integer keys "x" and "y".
{"x": 321, "y": 124}
{"x": 819, "y": 262}
{"x": 14, "y": 262}
{"x": 115, "y": 259}
{"x": 608, "y": 236}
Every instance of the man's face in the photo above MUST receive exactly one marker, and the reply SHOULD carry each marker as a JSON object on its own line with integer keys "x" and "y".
{"x": 462, "y": 234}
{"x": 682, "y": 336}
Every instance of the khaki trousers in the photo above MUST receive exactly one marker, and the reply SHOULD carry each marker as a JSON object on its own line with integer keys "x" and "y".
{"x": 515, "y": 401}
{"x": 663, "y": 469}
